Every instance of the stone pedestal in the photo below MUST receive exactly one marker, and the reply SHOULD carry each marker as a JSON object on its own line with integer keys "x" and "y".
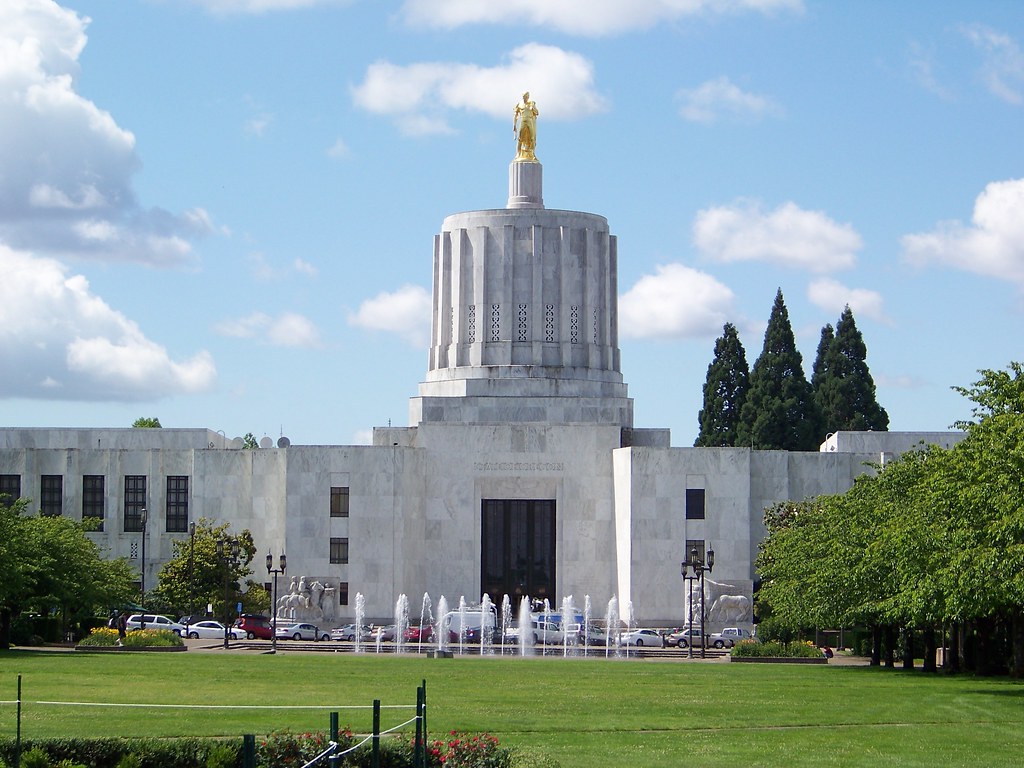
{"x": 525, "y": 185}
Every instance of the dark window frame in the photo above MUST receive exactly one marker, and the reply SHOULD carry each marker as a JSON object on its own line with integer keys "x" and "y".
{"x": 51, "y": 495}
{"x": 339, "y": 550}
{"x": 343, "y": 593}
{"x": 10, "y": 489}
{"x": 518, "y": 552}
{"x": 177, "y": 504}
{"x": 94, "y": 498}
{"x": 134, "y": 502}
{"x": 696, "y": 503}
{"x": 339, "y": 501}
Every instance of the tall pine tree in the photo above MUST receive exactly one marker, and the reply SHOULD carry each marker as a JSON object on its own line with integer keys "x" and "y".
{"x": 844, "y": 390}
{"x": 828, "y": 334}
{"x": 725, "y": 389}
{"x": 779, "y": 412}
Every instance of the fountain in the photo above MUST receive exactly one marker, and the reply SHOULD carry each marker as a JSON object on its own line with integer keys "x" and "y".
{"x": 462, "y": 624}
{"x": 442, "y": 631}
{"x": 525, "y": 626}
{"x": 360, "y": 618}
{"x": 568, "y": 621}
{"x": 486, "y": 625}
{"x": 401, "y": 622}
{"x": 611, "y": 626}
{"x": 586, "y": 624}
{"x": 506, "y": 620}
{"x": 426, "y": 619}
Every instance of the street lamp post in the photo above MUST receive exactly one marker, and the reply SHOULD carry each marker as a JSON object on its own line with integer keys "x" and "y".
{"x": 191, "y": 575}
{"x": 227, "y": 551}
{"x": 283, "y": 560}
{"x": 689, "y": 603}
{"x": 699, "y": 568}
{"x": 142, "y": 581}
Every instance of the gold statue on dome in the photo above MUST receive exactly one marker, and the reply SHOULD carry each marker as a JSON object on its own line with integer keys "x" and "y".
{"x": 524, "y": 126}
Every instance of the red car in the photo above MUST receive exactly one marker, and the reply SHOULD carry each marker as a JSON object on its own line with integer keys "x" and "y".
{"x": 418, "y": 634}
{"x": 255, "y": 626}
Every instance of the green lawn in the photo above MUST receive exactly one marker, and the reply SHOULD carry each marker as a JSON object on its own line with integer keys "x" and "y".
{"x": 593, "y": 713}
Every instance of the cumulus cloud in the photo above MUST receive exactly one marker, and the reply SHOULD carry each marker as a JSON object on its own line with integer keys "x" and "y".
{"x": 992, "y": 245}
{"x": 675, "y": 302}
{"x": 1002, "y": 70}
{"x": 59, "y": 341}
{"x": 420, "y": 96}
{"x": 580, "y": 17}
{"x": 788, "y": 236}
{"x": 339, "y": 150}
{"x": 65, "y": 189}
{"x": 720, "y": 98}
{"x": 287, "y": 329}
{"x": 833, "y": 296}
{"x": 405, "y": 312}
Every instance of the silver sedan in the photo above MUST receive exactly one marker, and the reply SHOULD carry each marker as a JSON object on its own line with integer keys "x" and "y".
{"x": 210, "y": 630}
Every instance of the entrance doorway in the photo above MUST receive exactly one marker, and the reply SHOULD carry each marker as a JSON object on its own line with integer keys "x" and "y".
{"x": 517, "y": 549}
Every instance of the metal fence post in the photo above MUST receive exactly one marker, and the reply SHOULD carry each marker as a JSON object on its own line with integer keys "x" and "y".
{"x": 17, "y": 738}
{"x": 248, "y": 750}
{"x": 423, "y": 697}
{"x": 419, "y": 747}
{"x": 375, "y": 753}
{"x": 334, "y": 760}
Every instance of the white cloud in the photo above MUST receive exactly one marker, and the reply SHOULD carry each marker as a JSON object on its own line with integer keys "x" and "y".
{"x": 833, "y": 296}
{"x": 420, "y": 96}
{"x": 303, "y": 267}
{"x": 922, "y": 69}
{"x": 406, "y": 312}
{"x": 287, "y": 329}
{"x": 1003, "y": 68}
{"x": 676, "y": 302}
{"x": 58, "y": 340}
{"x": 339, "y": 150}
{"x": 721, "y": 98}
{"x": 257, "y": 126}
{"x": 993, "y": 245}
{"x": 65, "y": 189}
{"x": 582, "y": 17}
{"x": 788, "y": 236}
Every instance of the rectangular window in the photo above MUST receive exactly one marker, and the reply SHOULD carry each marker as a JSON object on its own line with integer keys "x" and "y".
{"x": 93, "y": 498}
{"x": 134, "y": 502}
{"x": 51, "y": 495}
{"x": 692, "y": 544}
{"x": 343, "y": 593}
{"x": 177, "y": 504}
{"x": 694, "y": 503}
{"x": 10, "y": 489}
{"x": 339, "y": 502}
{"x": 339, "y": 551}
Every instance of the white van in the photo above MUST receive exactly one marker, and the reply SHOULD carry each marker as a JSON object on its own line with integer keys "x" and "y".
{"x": 470, "y": 624}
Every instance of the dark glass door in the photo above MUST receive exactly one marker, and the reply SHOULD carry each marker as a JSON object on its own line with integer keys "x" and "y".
{"x": 518, "y": 548}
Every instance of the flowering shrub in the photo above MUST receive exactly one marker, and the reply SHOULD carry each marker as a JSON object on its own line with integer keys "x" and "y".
{"x": 462, "y": 750}
{"x": 284, "y": 748}
{"x": 752, "y": 648}
{"x": 101, "y": 637}
{"x": 152, "y": 638}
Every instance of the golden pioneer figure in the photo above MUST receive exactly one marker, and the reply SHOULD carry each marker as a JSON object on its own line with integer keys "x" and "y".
{"x": 524, "y": 125}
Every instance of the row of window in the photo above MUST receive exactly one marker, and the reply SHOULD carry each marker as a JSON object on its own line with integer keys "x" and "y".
{"x": 94, "y": 490}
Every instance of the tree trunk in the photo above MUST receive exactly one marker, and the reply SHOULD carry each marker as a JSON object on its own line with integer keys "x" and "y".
{"x": 929, "y": 650}
{"x": 5, "y": 628}
{"x": 890, "y": 647}
{"x": 908, "y": 648}
{"x": 1017, "y": 637}
{"x": 952, "y": 663}
{"x": 876, "y": 645}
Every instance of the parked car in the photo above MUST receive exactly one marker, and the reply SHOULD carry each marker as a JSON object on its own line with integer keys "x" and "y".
{"x": 152, "y": 621}
{"x": 383, "y": 633}
{"x": 348, "y": 633}
{"x": 684, "y": 638}
{"x": 302, "y": 631}
{"x": 736, "y": 634}
{"x": 208, "y": 629}
{"x": 595, "y": 635}
{"x": 418, "y": 633}
{"x": 642, "y": 638}
{"x": 254, "y": 625}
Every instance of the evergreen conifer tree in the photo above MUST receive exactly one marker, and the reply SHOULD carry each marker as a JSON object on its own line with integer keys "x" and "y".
{"x": 779, "y": 412}
{"x": 821, "y": 360}
{"x": 725, "y": 389}
{"x": 845, "y": 391}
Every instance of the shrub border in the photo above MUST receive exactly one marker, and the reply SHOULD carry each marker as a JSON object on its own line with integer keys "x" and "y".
{"x": 777, "y": 660}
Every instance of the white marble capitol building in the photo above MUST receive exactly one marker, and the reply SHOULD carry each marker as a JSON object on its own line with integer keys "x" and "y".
{"x": 521, "y": 472}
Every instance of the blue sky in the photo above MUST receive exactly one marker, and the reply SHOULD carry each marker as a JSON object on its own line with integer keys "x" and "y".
{"x": 221, "y": 212}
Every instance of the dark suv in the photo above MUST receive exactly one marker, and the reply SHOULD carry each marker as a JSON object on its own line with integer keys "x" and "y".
{"x": 255, "y": 626}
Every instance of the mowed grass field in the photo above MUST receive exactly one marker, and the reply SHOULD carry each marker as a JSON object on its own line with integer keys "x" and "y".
{"x": 592, "y": 713}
